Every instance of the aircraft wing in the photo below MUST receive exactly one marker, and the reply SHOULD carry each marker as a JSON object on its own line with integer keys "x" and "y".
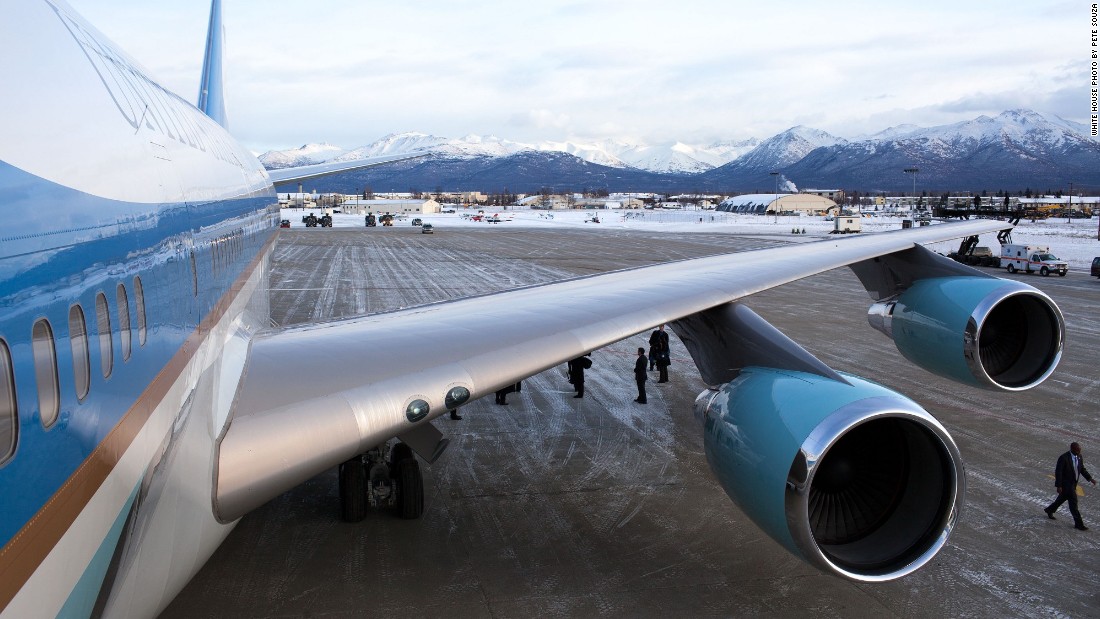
{"x": 371, "y": 377}
{"x": 284, "y": 176}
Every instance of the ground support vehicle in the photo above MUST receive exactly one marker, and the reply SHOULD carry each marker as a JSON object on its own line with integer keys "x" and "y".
{"x": 1032, "y": 259}
{"x": 975, "y": 256}
{"x": 1096, "y": 267}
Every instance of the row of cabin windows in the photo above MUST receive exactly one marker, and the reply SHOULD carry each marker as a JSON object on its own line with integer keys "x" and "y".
{"x": 44, "y": 352}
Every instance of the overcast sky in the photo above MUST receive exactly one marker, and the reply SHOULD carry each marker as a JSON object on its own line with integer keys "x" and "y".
{"x": 348, "y": 72}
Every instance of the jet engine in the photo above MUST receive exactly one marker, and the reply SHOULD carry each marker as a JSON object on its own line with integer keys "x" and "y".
{"x": 986, "y": 332}
{"x": 854, "y": 478}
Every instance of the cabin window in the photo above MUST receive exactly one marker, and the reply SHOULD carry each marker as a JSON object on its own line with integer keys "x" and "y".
{"x": 123, "y": 321}
{"x": 139, "y": 305}
{"x": 194, "y": 276}
{"x": 103, "y": 330}
{"x": 9, "y": 421}
{"x": 45, "y": 372}
{"x": 78, "y": 340}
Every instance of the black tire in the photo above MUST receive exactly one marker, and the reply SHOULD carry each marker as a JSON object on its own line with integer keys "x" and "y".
{"x": 353, "y": 490}
{"x": 410, "y": 489}
{"x": 1011, "y": 268}
{"x": 1062, "y": 274}
{"x": 1044, "y": 271}
{"x": 400, "y": 452}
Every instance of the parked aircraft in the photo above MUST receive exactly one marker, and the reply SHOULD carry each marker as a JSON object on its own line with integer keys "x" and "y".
{"x": 146, "y": 404}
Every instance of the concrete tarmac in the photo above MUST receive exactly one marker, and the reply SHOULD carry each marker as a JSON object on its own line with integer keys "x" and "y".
{"x": 563, "y": 507}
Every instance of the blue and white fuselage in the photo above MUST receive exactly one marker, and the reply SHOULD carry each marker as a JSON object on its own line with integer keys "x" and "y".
{"x": 133, "y": 241}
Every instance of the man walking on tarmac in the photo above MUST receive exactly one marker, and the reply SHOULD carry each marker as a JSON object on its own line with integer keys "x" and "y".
{"x": 1067, "y": 472}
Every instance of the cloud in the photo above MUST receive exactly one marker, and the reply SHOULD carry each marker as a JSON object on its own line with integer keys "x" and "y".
{"x": 701, "y": 70}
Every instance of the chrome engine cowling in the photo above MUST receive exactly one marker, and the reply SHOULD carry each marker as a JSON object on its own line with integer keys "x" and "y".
{"x": 986, "y": 332}
{"x": 851, "y": 476}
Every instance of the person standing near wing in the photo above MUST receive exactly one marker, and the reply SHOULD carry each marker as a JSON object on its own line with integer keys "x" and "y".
{"x": 640, "y": 376}
{"x": 576, "y": 373}
{"x": 659, "y": 353}
{"x": 1067, "y": 472}
{"x": 657, "y": 339}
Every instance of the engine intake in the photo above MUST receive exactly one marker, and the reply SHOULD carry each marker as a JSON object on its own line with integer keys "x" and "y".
{"x": 854, "y": 478}
{"x": 986, "y": 332}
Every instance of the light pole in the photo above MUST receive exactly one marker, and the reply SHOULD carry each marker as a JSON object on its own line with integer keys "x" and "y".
{"x": 1069, "y": 209}
{"x": 775, "y": 204}
{"x": 914, "y": 172}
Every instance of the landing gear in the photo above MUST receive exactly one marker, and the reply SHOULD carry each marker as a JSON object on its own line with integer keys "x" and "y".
{"x": 382, "y": 477}
{"x": 410, "y": 489}
{"x": 353, "y": 490}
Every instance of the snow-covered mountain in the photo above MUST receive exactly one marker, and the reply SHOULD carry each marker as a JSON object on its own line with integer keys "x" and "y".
{"x": 787, "y": 148}
{"x": 1024, "y": 128}
{"x": 1017, "y": 148}
{"x": 675, "y": 157}
{"x": 307, "y": 154}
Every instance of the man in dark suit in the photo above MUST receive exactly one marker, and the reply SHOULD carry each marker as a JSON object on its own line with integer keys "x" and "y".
{"x": 576, "y": 373}
{"x": 1067, "y": 472}
{"x": 659, "y": 353}
{"x": 639, "y": 375}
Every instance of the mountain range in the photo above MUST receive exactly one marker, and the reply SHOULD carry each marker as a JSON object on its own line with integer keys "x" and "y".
{"x": 1014, "y": 151}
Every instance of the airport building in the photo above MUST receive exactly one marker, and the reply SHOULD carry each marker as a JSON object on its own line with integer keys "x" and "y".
{"x": 411, "y": 206}
{"x": 762, "y": 203}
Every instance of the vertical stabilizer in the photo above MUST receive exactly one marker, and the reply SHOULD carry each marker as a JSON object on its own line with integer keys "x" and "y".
{"x": 211, "y": 94}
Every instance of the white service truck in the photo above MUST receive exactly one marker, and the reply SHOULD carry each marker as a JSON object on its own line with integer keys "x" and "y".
{"x": 1032, "y": 259}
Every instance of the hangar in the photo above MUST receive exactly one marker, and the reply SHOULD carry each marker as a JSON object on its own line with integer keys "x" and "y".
{"x": 761, "y": 203}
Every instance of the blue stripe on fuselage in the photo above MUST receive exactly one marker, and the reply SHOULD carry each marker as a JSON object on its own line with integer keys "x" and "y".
{"x": 82, "y": 600}
{"x": 59, "y": 247}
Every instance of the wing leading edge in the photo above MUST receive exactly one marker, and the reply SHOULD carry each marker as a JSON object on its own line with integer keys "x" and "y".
{"x": 377, "y": 373}
{"x": 284, "y": 176}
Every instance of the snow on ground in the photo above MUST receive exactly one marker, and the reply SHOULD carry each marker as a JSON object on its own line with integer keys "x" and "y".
{"x": 1073, "y": 241}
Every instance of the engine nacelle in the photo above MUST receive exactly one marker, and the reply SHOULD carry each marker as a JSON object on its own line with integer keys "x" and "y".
{"x": 853, "y": 477}
{"x": 986, "y": 332}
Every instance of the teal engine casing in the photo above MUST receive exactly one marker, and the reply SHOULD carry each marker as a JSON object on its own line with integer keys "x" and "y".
{"x": 986, "y": 332}
{"x": 851, "y": 476}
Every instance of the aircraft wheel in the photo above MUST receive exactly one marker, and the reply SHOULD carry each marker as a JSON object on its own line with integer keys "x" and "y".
{"x": 399, "y": 452}
{"x": 410, "y": 500}
{"x": 353, "y": 490}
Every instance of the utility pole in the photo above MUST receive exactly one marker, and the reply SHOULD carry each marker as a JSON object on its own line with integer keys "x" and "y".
{"x": 776, "y": 203}
{"x": 914, "y": 171}
{"x": 1069, "y": 209}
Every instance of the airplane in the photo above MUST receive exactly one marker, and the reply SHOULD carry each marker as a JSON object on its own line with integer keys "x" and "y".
{"x": 147, "y": 403}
